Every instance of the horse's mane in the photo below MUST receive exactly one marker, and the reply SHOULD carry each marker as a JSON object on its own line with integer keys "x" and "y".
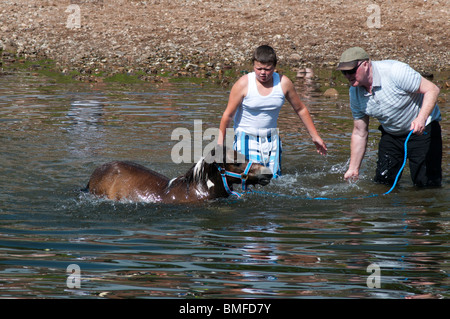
{"x": 203, "y": 170}
{"x": 198, "y": 173}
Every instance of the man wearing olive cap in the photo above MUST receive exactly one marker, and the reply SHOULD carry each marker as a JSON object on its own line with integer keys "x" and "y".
{"x": 402, "y": 100}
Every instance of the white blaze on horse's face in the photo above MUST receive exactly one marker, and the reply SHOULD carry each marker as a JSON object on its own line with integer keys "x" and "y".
{"x": 209, "y": 184}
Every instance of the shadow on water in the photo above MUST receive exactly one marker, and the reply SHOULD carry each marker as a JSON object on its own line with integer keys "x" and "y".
{"x": 276, "y": 242}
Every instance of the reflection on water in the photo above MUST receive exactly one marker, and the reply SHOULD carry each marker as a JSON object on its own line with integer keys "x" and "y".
{"x": 277, "y": 245}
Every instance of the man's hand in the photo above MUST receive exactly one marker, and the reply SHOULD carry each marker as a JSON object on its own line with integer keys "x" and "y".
{"x": 418, "y": 126}
{"x": 351, "y": 175}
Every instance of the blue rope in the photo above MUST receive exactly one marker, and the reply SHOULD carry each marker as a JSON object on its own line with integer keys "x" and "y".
{"x": 403, "y": 166}
{"x": 342, "y": 198}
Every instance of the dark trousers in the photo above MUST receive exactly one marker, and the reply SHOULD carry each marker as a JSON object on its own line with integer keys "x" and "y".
{"x": 424, "y": 153}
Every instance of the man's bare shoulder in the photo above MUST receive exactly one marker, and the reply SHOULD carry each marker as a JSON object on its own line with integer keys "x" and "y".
{"x": 285, "y": 80}
{"x": 243, "y": 81}
{"x": 286, "y": 84}
{"x": 241, "y": 85}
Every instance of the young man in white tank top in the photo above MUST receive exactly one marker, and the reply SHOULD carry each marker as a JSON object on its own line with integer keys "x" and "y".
{"x": 254, "y": 103}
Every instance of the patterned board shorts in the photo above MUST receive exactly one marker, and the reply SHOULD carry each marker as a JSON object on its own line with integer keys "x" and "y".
{"x": 263, "y": 148}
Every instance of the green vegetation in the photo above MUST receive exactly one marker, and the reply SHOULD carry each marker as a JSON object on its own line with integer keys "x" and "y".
{"x": 225, "y": 77}
{"x": 123, "y": 78}
{"x": 44, "y": 67}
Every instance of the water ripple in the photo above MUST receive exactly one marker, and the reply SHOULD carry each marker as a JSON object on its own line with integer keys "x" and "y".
{"x": 279, "y": 244}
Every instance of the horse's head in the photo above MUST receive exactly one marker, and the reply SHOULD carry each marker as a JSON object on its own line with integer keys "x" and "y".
{"x": 237, "y": 169}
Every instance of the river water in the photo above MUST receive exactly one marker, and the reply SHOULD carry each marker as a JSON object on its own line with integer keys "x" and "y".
{"x": 278, "y": 244}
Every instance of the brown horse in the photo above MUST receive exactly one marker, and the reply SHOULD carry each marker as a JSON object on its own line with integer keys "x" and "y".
{"x": 212, "y": 177}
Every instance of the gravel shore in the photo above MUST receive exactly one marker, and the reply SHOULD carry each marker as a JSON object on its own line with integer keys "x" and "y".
{"x": 205, "y": 38}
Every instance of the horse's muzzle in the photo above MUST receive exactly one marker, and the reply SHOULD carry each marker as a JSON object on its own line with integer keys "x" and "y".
{"x": 264, "y": 179}
{"x": 264, "y": 176}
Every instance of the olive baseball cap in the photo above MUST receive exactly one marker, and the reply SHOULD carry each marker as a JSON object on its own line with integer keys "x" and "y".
{"x": 350, "y": 57}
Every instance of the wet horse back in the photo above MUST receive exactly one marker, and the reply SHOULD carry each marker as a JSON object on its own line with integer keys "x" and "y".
{"x": 126, "y": 180}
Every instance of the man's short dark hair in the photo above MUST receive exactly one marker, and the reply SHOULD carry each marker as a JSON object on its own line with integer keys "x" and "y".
{"x": 265, "y": 54}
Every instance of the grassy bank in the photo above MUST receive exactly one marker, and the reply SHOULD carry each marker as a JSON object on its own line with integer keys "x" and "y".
{"x": 323, "y": 78}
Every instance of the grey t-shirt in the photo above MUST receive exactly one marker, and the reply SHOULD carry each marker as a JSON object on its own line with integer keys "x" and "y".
{"x": 394, "y": 100}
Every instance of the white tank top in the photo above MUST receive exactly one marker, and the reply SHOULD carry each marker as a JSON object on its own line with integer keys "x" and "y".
{"x": 256, "y": 112}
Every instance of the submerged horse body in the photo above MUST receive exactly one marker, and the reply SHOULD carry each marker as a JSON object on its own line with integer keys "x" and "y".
{"x": 212, "y": 177}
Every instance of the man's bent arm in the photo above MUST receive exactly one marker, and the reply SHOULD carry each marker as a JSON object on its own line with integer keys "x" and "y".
{"x": 430, "y": 94}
